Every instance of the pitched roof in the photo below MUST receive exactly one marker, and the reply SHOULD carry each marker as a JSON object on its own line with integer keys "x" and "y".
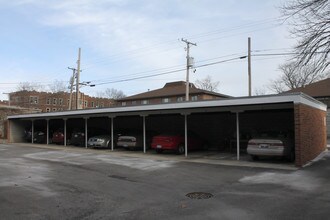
{"x": 318, "y": 89}
{"x": 173, "y": 89}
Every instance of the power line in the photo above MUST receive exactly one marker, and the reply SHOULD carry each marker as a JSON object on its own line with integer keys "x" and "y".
{"x": 238, "y": 27}
{"x": 168, "y": 72}
{"x": 222, "y": 61}
{"x": 145, "y": 50}
{"x": 142, "y": 77}
{"x": 274, "y": 54}
{"x": 139, "y": 75}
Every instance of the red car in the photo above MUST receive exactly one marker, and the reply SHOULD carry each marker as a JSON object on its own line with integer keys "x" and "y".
{"x": 176, "y": 142}
{"x": 58, "y": 137}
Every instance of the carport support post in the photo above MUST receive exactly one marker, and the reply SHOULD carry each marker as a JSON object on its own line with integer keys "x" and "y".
{"x": 32, "y": 132}
{"x": 237, "y": 130}
{"x": 64, "y": 119}
{"x": 47, "y": 132}
{"x": 237, "y": 134}
{"x": 112, "y": 141}
{"x": 86, "y": 138}
{"x": 144, "y": 133}
{"x": 185, "y": 134}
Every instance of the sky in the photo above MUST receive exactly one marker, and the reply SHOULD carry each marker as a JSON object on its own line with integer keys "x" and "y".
{"x": 136, "y": 46}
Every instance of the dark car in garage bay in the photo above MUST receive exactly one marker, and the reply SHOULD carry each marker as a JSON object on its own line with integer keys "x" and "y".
{"x": 77, "y": 138}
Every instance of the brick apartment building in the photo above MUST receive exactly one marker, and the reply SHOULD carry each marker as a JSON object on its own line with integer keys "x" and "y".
{"x": 53, "y": 102}
{"x": 171, "y": 92}
{"x": 6, "y": 110}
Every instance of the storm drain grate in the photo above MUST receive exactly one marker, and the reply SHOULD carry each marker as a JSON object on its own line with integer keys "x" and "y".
{"x": 199, "y": 195}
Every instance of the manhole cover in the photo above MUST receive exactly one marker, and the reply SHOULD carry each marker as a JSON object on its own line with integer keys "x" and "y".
{"x": 199, "y": 195}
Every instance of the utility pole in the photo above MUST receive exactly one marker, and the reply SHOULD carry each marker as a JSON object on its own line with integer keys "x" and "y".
{"x": 71, "y": 86}
{"x": 249, "y": 64}
{"x": 77, "y": 79}
{"x": 188, "y": 66}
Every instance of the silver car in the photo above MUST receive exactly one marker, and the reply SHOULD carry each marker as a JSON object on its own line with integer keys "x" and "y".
{"x": 271, "y": 144}
{"x": 131, "y": 141}
{"x": 103, "y": 141}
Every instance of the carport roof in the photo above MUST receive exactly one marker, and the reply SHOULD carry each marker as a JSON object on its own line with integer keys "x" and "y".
{"x": 230, "y": 104}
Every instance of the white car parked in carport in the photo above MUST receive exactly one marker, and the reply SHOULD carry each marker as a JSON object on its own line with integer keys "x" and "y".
{"x": 274, "y": 144}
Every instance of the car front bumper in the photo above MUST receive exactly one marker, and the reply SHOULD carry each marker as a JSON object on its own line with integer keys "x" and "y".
{"x": 265, "y": 152}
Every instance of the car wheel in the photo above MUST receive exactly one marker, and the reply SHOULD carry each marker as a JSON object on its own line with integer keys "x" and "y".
{"x": 159, "y": 151}
{"x": 181, "y": 149}
{"x": 254, "y": 157}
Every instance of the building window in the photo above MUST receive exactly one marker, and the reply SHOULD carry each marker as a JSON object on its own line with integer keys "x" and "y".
{"x": 93, "y": 105}
{"x": 34, "y": 99}
{"x": 194, "y": 98}
{"x": 145, "y": 102}
{"x": 179, "y": 99}
{"x": 47, "y": 109}
{"x": 48, "y": 101}
{"x": 123, "y": 103}
{"x": 54, "y": 109}
{"x": 54, "y": 101}
{"x": 86, "y": 104}
{"x": 133, "y": 102}
{"x": 166, "y": 100}
{"x": 102, "y": 105}
{"x": 60, "y": 101}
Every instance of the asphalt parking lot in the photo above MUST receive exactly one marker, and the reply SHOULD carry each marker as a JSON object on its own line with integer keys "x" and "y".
{"x": 55, "y": 183}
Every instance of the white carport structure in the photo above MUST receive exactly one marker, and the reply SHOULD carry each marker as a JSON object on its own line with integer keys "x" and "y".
{"x": 234, "y": 106}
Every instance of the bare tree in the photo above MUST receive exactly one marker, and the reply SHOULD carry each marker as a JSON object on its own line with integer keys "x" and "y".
{"x": 277, "y": 86}
{"x": 100, "y": 94}
{"x": 310, "y": 22}
{"x": 295, "y": 76}
{"x": 111, "y": 94}
{"x": 58, "y": 86}
{"x": 29, "y": 86}
{"x": 207, "y": 84}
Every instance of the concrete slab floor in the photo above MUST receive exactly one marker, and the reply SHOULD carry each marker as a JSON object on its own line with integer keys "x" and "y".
{"x": 206, "y": 157}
